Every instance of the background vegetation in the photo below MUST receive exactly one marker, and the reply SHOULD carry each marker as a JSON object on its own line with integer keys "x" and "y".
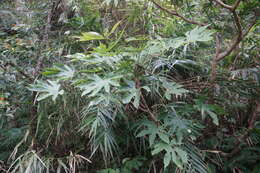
{"x": 125, "y": 86}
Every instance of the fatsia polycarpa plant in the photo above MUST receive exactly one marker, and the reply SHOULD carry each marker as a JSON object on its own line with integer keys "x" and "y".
{"x": 114, "y": 93}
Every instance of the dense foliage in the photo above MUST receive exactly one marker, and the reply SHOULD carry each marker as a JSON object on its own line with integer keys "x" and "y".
{"x": 122, "y": 86}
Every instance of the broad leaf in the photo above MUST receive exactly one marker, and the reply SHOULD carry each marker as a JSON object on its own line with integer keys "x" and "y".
{"x": 88, "y": 36}
{"x": 97, "y": 84}
{"x": 172, "y": 88}
{"x": 151, "y": 130}
{"x": 182, "y": 154}
{"x": 48, "y": 89}
{"x": 60, "y": 71}
{"x": 166, "y": 160}
{"x": 206, "y": 109}
{"x": 199, "y": 34}
{"x": 133, "y": 93}
{"x": 159, "y": 147}
{"x": 164, "y": 137}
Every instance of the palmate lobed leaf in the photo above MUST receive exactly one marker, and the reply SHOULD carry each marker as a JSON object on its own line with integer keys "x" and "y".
{"x": 62, "y": 72}
{"x": 198, "y": 34}
{"x": 207, "y": 109}
{"x": 151, "y": 129}
{"x": 47, "y": 89}
{"x": 97, "y": 84}
{"x": 133, "y": 93}
{"x": 172, "y": 88}
{"x": 172, "y": 153}
{"x": 88, "y": 36}
{"x": 167, "y": 159}
{"x": 159, "y": 147}
{"x": 164, "y": 137}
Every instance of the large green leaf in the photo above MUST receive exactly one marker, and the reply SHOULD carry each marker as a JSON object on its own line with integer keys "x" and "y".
{"x": 172, "y": 88}
{"x": 206, "y": 109}
{"x": 133, "y": 93}
{"x": 88, "y": 36}
{"x": 151, "y": 130}
{"x": 166, "y": 160}
{"x": 60, "y": 71}
{"x": 172, "y": 153}
{"x": 47, "y": 89}
{"x": 199, "y": 34}
{"x": 97, "y": 83}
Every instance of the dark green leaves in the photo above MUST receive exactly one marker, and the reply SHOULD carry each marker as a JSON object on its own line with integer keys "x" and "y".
{"x": 162, "y": 140}
{"x": 172, "y": 153}
{"x": 133, "y": 93}
{"x": 207, "y": 109}
{"x": 172, "y": 88}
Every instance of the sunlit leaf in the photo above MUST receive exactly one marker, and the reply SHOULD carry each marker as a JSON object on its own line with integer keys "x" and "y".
{"x": 199, "y": 34}
{"x": 88, "y": 36}
{"x": 97, "y": 83}
{"x": 60, "y": 71}
{"x": 47, "y": 89}
{"x": 166, "y": 160}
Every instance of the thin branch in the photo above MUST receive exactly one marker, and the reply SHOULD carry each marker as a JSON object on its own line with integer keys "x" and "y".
{"x": 229, "y": 7}
{"x": 223, "y": 4}
{"x": 144, "y": 104}
{"x": 164, "y": 9}
{"x": 217, "y": 45}
{"x": 237, "y": 149}
{"x": 236, "y": 5}
{"x": 239, "y": 38}
{"x": 238, "y": 23}
{"x": 151, "y": 114}
{"x": 256, "y": 113}
{"x": 215, "y": 60}
{"x": 175, "y": 13}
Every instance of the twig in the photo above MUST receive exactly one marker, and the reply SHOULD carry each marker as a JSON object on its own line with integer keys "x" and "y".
{"x": 240, "y": 139}
{"x": 215, "y": 60}
{"x": 254, "y": 116}
{"x": 239, "y": 38}
{"x": 143, "y": 102}
{"x": 223, "y": 4}
{"x": 236, "y": 5}
{"x": 231, "y": 8}
{"x": 175, "y": 13}
{"x": 238, "y": 23}
{"x": 232, "y": 67}
{"x": 151, "y": 115}
{"x": 2, "y": 167}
